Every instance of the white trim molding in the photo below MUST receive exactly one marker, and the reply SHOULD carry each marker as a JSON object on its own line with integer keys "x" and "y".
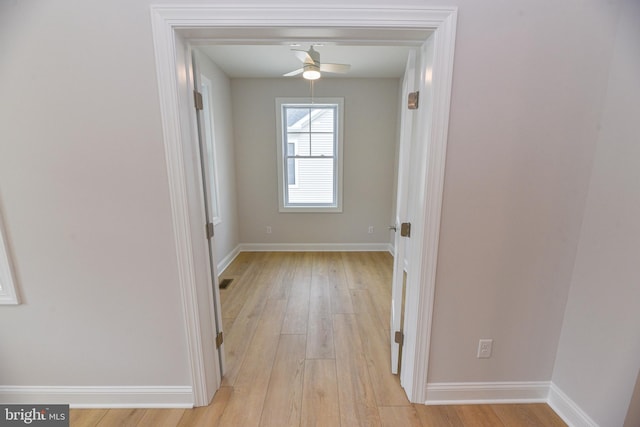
{"x": 470, "y": 393}
{"x": 314, "y": 247}
{"x": 423, "y": 257}
{"x": 301, "y": 247}
{"x": 570, "y": 412}
{"x": 487, "y": 392}
{"x": 8, "y": 293}
{"x": 101, "y": 397}
{"x": 175, "y": 25}
{"x": 228, "y": 259}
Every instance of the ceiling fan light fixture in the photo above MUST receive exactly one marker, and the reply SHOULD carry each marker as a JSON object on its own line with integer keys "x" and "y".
{"x": 311, "y": 72}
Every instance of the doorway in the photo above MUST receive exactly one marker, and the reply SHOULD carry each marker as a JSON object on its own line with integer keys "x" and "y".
{"x": 174, "y": 27}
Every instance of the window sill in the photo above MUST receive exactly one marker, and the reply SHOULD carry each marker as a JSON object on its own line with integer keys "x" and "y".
{"x": 310, "y": 209}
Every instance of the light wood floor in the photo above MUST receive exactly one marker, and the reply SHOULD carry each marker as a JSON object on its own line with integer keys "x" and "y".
{"x": 307, "y": 344}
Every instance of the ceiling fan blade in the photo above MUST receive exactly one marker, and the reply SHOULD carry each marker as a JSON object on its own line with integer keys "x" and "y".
{"x": 294, "y": 73}
{"x": 335, "y": 68}
{"x": 302, "y": 55}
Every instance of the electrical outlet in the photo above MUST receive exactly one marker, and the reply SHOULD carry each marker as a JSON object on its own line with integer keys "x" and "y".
{"x": 268, "y": 229}
{"x": 484, "y": 348}
{"x": 370, "y": 229}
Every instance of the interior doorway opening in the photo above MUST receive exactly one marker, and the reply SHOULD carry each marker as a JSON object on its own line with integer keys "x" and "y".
{"x": 373, "y": 89}
{"x": 174, "y": 28}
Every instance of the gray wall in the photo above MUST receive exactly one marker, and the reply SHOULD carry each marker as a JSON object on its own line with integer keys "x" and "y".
{"x": 84, "y": 195}
{"x": 226, "y": 232}
{"x": 599, "y": 352}
{"x": 370, "y": 116}
{"x": 528, "y": 88}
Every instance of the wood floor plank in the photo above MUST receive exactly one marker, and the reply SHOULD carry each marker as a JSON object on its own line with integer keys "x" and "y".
{"x": 339, "y": 295}
{"x": 281, "y": 284}
{"x": 319, "y": 266}
{"x": 377, "y": 353}
{"x": 245, "y": 324}
{"x": 438, "y": 416}
{"x": 320, "y": 336}
{"x": 227, "y": 323}
{"x": 232, "y": 298}
{"x": 217, "y": 406}
{"x": 121, "y": 417}
{"x": 379, "y": 286}
{"x": 356, "y": 273}
{"x": 478, "y": 416}
{"x": 357, "y": 399}
{"x": 193, "y": 416}
{"x": 394, "y": 416}
{"x": 161, "y": 418}
{"x": 207, "y": 416}
{"x": 283, "y": 403}
{"x": 319, "y": 300}
{"x": 86, "y": 417}
{"x": 546, "y": 415}
{"x": 246, "y": 402}
{"x": 516, "y": 415}
{"x": 383, "y": 262}
{"x": 320, "y": 406}
{"x": 239, "y": 264}
{"x": 297, "y": 315}
{"x": 237, "y": 339}
{"x": 363, "y": 303}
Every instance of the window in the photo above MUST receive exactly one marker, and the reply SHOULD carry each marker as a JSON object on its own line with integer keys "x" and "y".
{"x": 310, "y": 154}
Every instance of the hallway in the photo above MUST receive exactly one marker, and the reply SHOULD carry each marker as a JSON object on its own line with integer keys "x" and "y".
{"x": 295, "y": 325}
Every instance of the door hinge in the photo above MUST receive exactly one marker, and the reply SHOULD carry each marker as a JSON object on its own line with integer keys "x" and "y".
{"x": 209, "y": 230}
{"x": 219, "y": 339}
{"x": 197, "y": 100}
{"x": 412, "y": 102}
{"x": 399, "y": 337}
{"x": 405, "y": 229}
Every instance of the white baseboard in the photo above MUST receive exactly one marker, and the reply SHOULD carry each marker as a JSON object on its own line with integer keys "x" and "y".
{"x": 567, "y": 409}
{"x": 314, "y": 247}
{"x": 227, "y": 260}
{"x": 100, "y": 397}
{"x": 487, "y": 392}
{"x": 301, "y": 247}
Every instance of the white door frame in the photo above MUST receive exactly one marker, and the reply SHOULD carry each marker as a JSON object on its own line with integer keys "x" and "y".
{"x": 174, "y": 25}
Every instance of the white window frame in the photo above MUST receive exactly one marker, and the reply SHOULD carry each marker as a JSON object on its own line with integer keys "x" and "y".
{"x": 8, "y": 294}
{"x": 296, "y": 177}
{"x": 282, "y": 178}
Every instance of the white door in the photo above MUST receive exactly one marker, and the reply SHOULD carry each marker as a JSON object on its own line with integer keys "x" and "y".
{"x": 412, "y": 163}
{"x": 204, "y": 116}
{"x": 400, "y": 243}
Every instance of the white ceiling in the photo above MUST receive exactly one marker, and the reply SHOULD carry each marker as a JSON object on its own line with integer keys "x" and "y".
{"x": 260, "y": 60}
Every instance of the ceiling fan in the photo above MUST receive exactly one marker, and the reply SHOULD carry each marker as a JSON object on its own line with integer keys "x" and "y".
{"x": 311, "y": 65}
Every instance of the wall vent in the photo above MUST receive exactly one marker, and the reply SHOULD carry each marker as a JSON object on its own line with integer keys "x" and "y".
{"x": 225, "y": 282}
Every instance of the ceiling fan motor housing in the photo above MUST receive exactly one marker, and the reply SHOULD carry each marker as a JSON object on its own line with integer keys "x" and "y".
{"x": 311, "y": 67}
{"x": 314, "y": 55}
